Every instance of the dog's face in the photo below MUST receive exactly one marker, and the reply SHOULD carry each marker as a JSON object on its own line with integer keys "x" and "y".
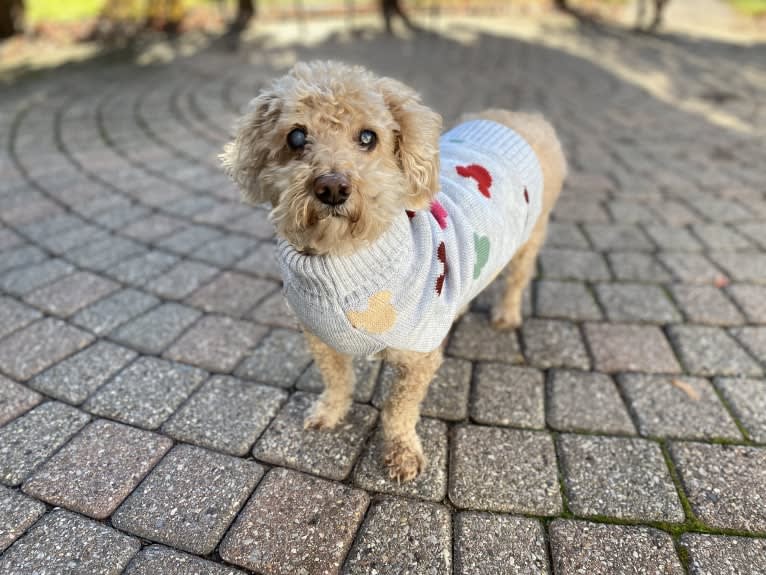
{"x": 338, "y": 153}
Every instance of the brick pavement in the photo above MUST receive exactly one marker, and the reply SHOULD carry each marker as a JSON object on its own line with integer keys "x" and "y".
{"x": 152, "y": 384}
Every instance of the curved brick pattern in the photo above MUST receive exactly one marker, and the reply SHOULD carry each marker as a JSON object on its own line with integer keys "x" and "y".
{"x": 295, "y": 523}
{"x": 68, "y": 544}
{"x": 99, "y": 468}
{"x": 189, "y": 499}
{"x": 580, "y": 547}
{"x": 130, "y": 270}
{"x": 400, "y": 536}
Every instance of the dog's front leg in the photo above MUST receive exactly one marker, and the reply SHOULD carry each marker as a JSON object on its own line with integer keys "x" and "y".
{"x": 338, "y": 376}
{"x": 403, "y": 453}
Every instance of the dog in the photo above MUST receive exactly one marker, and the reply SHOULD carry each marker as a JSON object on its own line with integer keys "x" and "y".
{"x": 380, "y": 248}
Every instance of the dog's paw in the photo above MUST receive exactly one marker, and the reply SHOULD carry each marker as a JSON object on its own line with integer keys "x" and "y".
{"x": 503, "y": 319}
{"x": 404, "y": 460}
{"x": 324, "y": 417}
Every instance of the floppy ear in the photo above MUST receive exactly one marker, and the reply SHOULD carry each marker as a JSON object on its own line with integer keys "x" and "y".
{"x": 243, "y": 157}
{"x": 417, "y": 141}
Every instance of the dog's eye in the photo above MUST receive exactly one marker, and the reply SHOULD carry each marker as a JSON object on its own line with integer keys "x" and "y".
{"x": 296, "y": 139}
{"x": 368, "y": 139}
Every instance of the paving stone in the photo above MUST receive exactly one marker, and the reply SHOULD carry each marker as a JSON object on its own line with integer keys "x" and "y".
{"x": 554, "y": 343}
{"x": 140, "y": 270}
{"x": 567, "y": 300}
{"x": 711, "y": 351}
{"x": 627, "y": 347}
{"x": 506, "y": 395}
{"x": 493, "y": 293}
{"x": 189, "y": 499}
{"x": 752, "y": 300}
{"x": 72, "y": 293}
{"x": 636, "y": 266}
{"x": 156, "y": 329}
{"x": 17, "y": 514}
{"x": 673, "y": 238}
{"x": 159, "y": 560}
{"x": 719, "y": 237}
{"x": 226, "y": 415}
{"x": 256, "y": 223}
{"x": 329, "y": 454}
{"x": 38, "y": 346}
{"x": 371, "y": 473}
{"x": 189, "y": 239}
{"x": 273, "y": 310}
{"x": 487, "y": 544}
{"x": 706, "y": 305}
{"x": 151, "y": 228}
{"x": 568, "y": 209}
{"x": 182, "y": 279}
{"x": 146, "y": 393}
{"x": 22, "y": 281}
{"x": 618, "y": 477}
{"x": 29, "y": 440}
{"x": 295, "y": 523}
{"x": 747, "y": 398}
{"x": 447, "y": 396}
{"x": 216, "y": 343}
{"x": 102, "y": 255}
{"x": 680, "y": 406}
{"x": 262, "y": 262}
{"x": 628, "y": 212}
{"x": 400, "y": 537}
{"x": 742, "y": 266}
{"x": 280, "y": 359}
{"x": 231, "y": 294}
{"x": 598, "y": 549}
{"x": 9, "y": 239}
{"x": 98, "y": 469}
{"x": 573, "y": 264}
{"x": 691, "y": 268}
{"x": 721, "y": 555}
{"x": 366, "y": 375}
{"x": 754, "y": 340}
{"x": 225, "y": 251}
{"x": 474, "y": 338}
{"x": 583, "y": 401}
{"x": 494, "y": 469}
{"x": 15, "y": 315}
{"x": 15, "y": 399}
{"x": 113, "y": 311}
{"x": 75, "y": 378}
{"x": 21, "y": 256}
{"x": 609, "y": 237}
{"x": 636, "y": 302}
{"x": 725, "y": 484}
{"x": 65, "y": 543}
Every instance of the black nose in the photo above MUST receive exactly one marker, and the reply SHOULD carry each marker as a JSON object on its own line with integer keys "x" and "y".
{"x": 332, "y": 189}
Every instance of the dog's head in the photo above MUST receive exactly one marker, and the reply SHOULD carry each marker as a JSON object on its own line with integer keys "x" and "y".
{"x": 338, "y": 153}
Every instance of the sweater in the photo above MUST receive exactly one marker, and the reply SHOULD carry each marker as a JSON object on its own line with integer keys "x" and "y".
{"x": 405, "y": 289}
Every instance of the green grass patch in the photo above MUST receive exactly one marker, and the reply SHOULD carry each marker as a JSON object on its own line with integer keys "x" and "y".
{"x": 750, "y": 7}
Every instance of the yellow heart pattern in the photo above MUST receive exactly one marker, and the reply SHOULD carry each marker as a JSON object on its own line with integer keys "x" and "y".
{"x": 379, "y": 316}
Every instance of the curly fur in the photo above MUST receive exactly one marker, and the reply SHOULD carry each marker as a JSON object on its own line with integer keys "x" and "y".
{"x": 334, "y": 102}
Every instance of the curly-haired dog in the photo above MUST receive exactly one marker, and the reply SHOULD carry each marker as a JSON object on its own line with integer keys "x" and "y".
{"x": 381, "y": 249}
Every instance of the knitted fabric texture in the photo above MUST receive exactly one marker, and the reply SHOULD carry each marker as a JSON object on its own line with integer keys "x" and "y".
{"x": 405, "y": 290}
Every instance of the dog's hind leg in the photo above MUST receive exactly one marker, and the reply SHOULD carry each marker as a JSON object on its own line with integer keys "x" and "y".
{"x": 338, "y": 376}
{"x": 506, "y": 313}
{"x": 403, "y": 453}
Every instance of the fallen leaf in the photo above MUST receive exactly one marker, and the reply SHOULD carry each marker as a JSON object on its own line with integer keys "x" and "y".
{"x": 687, "y": 388}
{"x": 720, "y": 281}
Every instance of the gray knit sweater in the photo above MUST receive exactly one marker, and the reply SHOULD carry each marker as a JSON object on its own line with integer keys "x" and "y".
{"x": 404, "y": 290}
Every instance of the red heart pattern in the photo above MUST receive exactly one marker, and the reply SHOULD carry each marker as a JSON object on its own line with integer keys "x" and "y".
{"x": 441, "y": 254}
{"x": 478, "y": 173}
